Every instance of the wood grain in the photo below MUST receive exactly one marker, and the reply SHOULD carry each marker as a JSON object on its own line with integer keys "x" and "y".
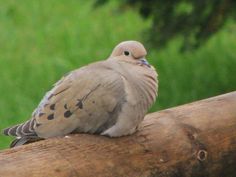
{"x": 193, "y": 140}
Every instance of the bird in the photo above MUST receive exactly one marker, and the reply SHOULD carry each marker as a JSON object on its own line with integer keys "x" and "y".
{"x": 108, "y": 97}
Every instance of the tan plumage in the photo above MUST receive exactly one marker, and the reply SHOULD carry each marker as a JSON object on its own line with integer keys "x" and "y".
{"x": 109, "y": 97}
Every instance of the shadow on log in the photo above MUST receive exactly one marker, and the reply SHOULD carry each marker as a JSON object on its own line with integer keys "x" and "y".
{"x": 193, "y": 140}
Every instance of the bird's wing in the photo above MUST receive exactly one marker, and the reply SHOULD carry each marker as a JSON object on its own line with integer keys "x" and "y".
{"x": 28, "y": 128}
{"x": 86, "y": 100}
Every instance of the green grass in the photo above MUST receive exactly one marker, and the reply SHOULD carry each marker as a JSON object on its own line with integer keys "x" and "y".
{"x": 207, "y": 72}
{"x": 41, "y": 40}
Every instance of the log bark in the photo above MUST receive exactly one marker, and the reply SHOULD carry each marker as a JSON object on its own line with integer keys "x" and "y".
{"x": 193, "y": 140}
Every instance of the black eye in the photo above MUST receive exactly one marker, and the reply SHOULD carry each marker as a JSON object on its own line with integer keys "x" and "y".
{"x": 126, "y": 53}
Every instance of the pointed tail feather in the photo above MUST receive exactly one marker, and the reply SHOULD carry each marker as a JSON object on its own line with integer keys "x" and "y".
{"x": 24, "y": 140}
{"x": 24, "y": 129}
{"x": 10, "y": 131}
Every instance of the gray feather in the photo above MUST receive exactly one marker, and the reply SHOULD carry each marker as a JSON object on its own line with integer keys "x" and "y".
{"x": 24, "y": 140}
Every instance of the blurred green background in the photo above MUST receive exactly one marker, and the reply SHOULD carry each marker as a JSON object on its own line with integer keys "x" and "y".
{"x": 41, "y": 40}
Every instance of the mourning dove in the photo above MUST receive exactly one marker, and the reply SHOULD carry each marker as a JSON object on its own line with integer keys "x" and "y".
{"x": 109, "y": 97}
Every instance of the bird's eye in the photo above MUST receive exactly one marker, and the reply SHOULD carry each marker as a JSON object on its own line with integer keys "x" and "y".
{"x": 126, "y": 53}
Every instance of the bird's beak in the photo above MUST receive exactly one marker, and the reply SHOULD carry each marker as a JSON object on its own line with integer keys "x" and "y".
{"x": 143, "y": 61}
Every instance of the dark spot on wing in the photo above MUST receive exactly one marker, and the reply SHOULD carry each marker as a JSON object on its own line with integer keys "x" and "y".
{"x": 41, "y": 114}
{"x": 37, "y": 124}
{"x": 65, "y": 106}
{"x": 51, "y": 116}
{"x": 67, "y": 114}
{"x": 93, "y": 102}
{"x": 80, "y": 104}
{"x": 52, "y": 107}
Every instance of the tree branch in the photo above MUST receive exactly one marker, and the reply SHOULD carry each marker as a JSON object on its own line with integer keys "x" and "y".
{"x": 196, "y": 139}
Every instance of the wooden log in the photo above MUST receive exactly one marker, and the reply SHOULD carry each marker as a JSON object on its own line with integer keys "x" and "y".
{"x": 193, "y": 140}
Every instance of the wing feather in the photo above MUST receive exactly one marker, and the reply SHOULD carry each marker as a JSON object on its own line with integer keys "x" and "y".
{"x": 86, "y": 100}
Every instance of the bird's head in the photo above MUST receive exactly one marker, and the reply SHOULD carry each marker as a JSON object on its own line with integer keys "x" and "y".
{"x": 132, "y": 51}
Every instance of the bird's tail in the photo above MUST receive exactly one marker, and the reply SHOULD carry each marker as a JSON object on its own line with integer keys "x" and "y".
{"x": 24, "y": 133}
{"x": 24, "y": 140}
{"x": 11, "y": 131}
{"x": 20, "y": 130}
